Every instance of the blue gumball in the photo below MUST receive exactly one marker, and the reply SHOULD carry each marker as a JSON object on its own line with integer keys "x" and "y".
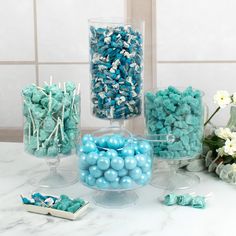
{"x": 115, "y": 142}
{"x": 143, "y": 179}
{"x": 117, "y": 163}
{"x": 102, "y": 141}
{"x": 92, "y": 158}
{"x": 89, "y": 147}
{"x": 95, "y": 171}
{"x": 127, "y": 151}
{"x": 102, "y": 153}
{"x": 141, "y": 159}
{"x": 110, "y": 175}
{"x": 122, "y": 172}
{"x": 87, "y": 137}
{"x": 83, "y": 175}
{"x": 83, "y": 164}
{"x": 90, "y": 180}
{"x": 103, "y": 163}
{"x": 126, "y": 182}
{"x": 111, "y": 153}
{"x": 144, "y": 147}
{"x": 146, "y": 167}
{"x": 135, "y": 173}
{"x": 102, "y": 183}
{"x": 115, "y": 183}
{"x": 130, "y": 162}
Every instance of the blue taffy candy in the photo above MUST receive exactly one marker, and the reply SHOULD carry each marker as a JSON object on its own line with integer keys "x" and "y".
{"x": 170, "y": 199}
{"x": 198, "y": 202}
{"x": 184, "y": 200}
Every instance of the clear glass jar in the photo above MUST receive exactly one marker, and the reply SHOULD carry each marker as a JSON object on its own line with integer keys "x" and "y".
{"x": 51, "y": 128}
{"x": 116, "y": 65}
{"x": 114, "y": 162}
{"x": 176, "y": 111}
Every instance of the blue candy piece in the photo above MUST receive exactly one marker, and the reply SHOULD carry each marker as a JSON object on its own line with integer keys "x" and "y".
{"x": 116, "y": 183}
{"x": 146, "y": 167}
{"x": 143, "y": 179}
{"x": 87, "y": 137}
{"x": 123, "y": 172}
{"x": 117, "y": 163}
{"x": 89, "y": 147}
{"x": 130, "y": 162}
{"x": 102, "y": 183}
{"x": 92, "y": 158}
{"x": 126, "y": 182}
{"x": 83, "y": 164}
{"x": 110, "y": 175}
{"x": 95, "y": 171}
{"x": 90, "y": 180}
{"x": 135, "y": 173}
{"x": 103, "y": 163}
{"x": 111, "y": 153}
{"x": 144, "y": 147}
{"x": 115, "y": 142}
{"x": 127, "y": 151}
{"x": 141, "y": 159}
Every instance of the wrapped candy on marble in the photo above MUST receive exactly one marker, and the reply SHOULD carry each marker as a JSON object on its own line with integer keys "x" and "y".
{"x": 51, "y": 119}
{"x": 171, "y": 111}
{"x": 116, "y": 58}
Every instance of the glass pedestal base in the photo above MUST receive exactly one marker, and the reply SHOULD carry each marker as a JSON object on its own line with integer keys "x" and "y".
{"x": 115, "y": 199}
{"x": 59, "y": 179}
{"x": 174, "y": 180}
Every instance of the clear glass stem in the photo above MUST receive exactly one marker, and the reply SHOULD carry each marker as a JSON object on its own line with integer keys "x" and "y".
{"x": 120, "y": 123}
{"x": 53, "y": 165}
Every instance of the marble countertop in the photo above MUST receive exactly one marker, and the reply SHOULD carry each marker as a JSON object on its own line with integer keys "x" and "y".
{"x": 148, "y": 217}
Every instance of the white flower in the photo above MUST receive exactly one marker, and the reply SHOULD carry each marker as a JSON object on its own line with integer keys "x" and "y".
{"x": 234, "y": 98}
{"x": 221, "y": 151}
{"x": 222, "y": 98}
{"x": 234, "y": 167}
{"x": 223, "y": 133}
{"x": 230, "y": 147}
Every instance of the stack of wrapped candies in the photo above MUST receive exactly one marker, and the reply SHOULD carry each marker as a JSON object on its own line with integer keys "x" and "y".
{"x": 113, "y": 161}
{"x": 116, "y": 57}
{"x": 51, "y": 119}
{"x": 63, "y": 203}
{"x": 171, "y": 111}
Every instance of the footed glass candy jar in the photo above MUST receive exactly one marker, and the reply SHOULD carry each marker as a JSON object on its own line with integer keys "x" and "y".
{"x": 52, "y": 130}
{"x": 116, "y": 64}
{"x": 113, "y": 161}
{"x": 179, "y": 112}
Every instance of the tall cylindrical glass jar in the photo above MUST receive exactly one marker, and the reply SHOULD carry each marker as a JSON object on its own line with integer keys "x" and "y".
{"x": 52, "y": 130}
{"x": 116, "y": 65}
{"x": 180, "y": 112}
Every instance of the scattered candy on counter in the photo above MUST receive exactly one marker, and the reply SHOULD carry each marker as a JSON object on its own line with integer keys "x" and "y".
{"x": 185, "y": 200}
{"x": 114, "y": 161}
{"x": 116, "y": 70}
{"x": 63, "y": 203}
{"x": 52, "y": 118}
{"x": 171, "y": 111}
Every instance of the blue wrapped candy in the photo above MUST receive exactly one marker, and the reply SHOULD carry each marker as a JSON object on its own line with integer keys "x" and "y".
{"x": 114, "y": 166}
{"x": 171, "y": 111}
{"x": 116, "y": 58}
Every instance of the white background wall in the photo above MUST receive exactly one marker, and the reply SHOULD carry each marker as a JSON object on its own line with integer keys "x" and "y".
{"x": 196, "y": 45}
{"x": 53, "y": 33}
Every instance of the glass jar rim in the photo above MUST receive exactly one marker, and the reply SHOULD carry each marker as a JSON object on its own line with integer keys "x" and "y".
{"x": 180, "y": 88}
{"x": 114, "y": 20}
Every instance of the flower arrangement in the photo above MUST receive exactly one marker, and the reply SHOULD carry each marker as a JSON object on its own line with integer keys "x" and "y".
{"x": 221, "y": 144}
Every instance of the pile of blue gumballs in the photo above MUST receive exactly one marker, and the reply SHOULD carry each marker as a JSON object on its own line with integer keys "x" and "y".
{"x": 114, "y": 162}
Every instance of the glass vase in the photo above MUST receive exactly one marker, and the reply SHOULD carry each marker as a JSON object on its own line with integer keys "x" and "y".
{"x": 180, "y": 112}
{"x": 116, "y": 65}
{"x": 52, "y": 131}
